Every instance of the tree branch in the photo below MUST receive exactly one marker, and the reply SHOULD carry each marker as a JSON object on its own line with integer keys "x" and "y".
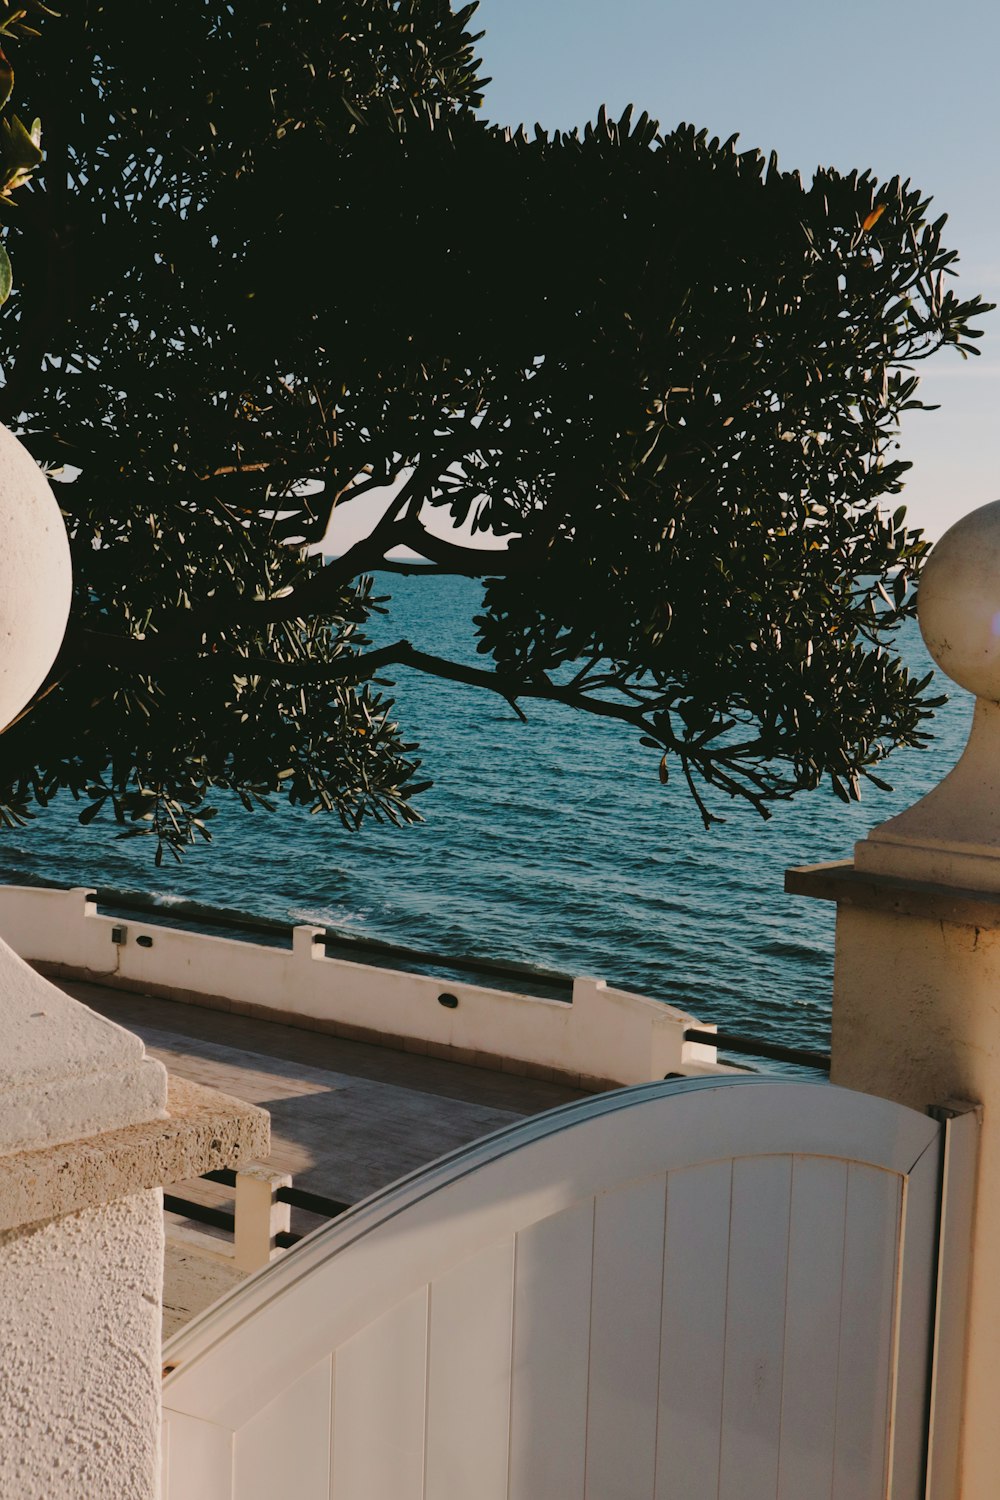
{"x": 147, "y": 656}
{"x": 451, "y": 557}
{"x": 716, "y": 766}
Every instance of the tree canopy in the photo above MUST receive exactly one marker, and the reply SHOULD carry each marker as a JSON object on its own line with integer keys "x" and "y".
{"x": 282, "y": 263}
{"x": 20, "y": 144}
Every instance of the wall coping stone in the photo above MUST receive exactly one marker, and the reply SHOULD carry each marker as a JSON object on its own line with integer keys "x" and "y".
{"x": 842, "y": 881}
{"x": 203, "y": 1130}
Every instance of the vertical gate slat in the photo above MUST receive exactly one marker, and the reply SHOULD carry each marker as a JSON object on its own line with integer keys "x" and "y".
{"x": 871, "y": 1243}
{"x": 298, "y": 1421}
{"x": 199, "y": 1458}
{"x": 625, "y": 1342}
{"x": 551, "y": 1354}
{"x": 812, "y": 1327}
{"x": 755, "y": 1328}
{"x": 379, "y": 1405}
{"x": 693, "y": 1337}
{"x": 468, "y": 1382}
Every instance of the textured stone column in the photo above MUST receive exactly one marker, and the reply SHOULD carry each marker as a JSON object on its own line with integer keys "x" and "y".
{"x": 80, "y": 1375}
{"x": 89, "y": 1133}
{"x": 916, "y": 1007}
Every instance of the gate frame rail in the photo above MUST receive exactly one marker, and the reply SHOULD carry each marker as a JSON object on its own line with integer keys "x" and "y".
{"x": 961, "y": 1124}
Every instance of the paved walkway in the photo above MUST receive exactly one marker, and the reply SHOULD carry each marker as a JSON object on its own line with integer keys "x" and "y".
{"x": 346, "y": 1117}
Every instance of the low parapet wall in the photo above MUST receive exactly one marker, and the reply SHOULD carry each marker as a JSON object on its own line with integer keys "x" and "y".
{"x": 604, "y": 1038}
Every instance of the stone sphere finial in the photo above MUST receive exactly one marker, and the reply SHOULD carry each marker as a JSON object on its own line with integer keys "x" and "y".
{"x": 958, "y": 604}
{"x": 952, "y": 835}
{"x": 36, "y": 581}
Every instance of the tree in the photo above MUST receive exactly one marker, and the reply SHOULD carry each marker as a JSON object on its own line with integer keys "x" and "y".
{"x": 663, "y": 377}
{"x": 20, "y": 145}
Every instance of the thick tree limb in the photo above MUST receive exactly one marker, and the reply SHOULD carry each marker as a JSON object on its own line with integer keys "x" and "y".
{"x": 147, "y": 657}
{"x": 451, "y": 557}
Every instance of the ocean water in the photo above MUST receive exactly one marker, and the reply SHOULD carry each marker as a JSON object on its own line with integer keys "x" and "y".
{"x": 550, "y": 843}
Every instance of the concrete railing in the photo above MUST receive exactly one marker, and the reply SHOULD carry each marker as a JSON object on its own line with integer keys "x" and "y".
{"x": 604, "y": 1038}
{"x": 258, "y": 1224}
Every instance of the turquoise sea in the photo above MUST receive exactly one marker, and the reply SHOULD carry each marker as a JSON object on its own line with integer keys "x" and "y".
{"x": 550, "y": 843}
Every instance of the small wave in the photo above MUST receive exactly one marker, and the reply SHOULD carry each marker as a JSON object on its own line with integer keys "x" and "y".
{"x": 805, "y": 953}
{"x": 15, "y": 855}
{"x": 326, "y": 916}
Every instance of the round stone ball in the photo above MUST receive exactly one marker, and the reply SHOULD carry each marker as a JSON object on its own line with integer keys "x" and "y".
{"x": 958, "y": 604}
{"x": 36, "y": 581}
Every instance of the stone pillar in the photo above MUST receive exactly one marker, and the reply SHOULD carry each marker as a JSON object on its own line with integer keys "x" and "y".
{"x": 90, "y": 1131}
{"x": 89, "y": 1134}
{"x": 916, "y": 1006}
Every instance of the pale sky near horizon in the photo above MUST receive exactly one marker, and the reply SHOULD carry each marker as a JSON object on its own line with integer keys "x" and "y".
{"x": 901, "y": 86}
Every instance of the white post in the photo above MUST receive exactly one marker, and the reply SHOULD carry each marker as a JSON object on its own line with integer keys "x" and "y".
{"x": 916, "y": 1007}
{"x": 305, "y": 942}
{"x": 259, "y": 1216}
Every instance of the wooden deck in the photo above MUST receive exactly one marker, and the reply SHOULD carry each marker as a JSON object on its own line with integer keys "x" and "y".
{"x": 347, "y": 1117}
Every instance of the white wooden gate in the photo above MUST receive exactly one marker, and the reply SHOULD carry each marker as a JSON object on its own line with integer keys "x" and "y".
{"x": 678, "y": 1291}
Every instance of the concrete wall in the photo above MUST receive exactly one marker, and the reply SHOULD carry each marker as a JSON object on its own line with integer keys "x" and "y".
{"x": 604, "y": 1037}
{"x": 915, "y": 1013}
{"x": 80, "y": 1341}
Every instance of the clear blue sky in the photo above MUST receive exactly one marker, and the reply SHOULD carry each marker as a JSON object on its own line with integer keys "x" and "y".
{"x": 909, "y": 88}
